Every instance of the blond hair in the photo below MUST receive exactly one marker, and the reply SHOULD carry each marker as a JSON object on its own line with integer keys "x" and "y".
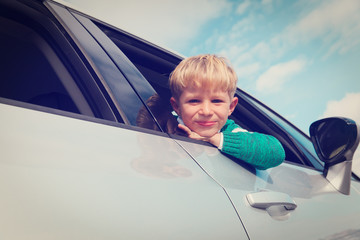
{"x": 203, "y": 71}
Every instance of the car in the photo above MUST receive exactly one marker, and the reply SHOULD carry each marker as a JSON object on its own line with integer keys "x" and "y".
{"x": 86, "y": 154}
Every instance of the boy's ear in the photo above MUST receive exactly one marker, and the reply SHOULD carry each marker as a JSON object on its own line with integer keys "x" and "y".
{"x": 233, "y": 104}
{"x": 174, "y": 105}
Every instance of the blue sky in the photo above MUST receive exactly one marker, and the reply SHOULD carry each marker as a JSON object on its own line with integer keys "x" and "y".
{"x": 301, "y": 58}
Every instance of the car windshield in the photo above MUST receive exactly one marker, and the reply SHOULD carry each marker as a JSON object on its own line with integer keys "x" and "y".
{"x": 301, "y": 140}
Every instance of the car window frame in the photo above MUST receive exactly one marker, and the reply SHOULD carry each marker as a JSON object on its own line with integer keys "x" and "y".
{"x": 110, "y": 76}
{"x": 133, "y": 76}
{"x": 37, "y": 17}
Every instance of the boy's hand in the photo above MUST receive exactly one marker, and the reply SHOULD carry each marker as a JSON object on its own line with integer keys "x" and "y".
{"x": 214, "y": 140}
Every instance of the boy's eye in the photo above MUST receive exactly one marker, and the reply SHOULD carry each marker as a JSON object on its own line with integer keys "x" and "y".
{"x": 217, "y": 101}
{"x": 194, "y": 101}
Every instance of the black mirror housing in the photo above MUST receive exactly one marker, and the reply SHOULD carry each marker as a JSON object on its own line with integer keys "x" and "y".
{"x": 335, "y": 139}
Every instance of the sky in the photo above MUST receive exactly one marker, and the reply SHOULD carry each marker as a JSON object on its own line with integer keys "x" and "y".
{"x": 300, "y": 57}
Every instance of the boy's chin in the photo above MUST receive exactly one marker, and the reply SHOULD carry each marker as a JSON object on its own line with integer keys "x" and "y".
{"x": 207, "y": 134}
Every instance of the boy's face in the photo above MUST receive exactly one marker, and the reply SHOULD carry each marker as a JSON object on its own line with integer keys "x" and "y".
{"x": 204, "y": 111}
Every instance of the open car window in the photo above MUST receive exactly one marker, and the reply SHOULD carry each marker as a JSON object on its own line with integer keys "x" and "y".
{"x": 156, "y": 64}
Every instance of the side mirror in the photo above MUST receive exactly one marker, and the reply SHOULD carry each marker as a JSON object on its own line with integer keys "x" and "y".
{"x": 335, "y": 141}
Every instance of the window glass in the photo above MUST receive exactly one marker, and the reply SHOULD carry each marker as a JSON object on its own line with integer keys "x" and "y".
{"x": 33, "y": 73}
{"x": 150, "y": 80}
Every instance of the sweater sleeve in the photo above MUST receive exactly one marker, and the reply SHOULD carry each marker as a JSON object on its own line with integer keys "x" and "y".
{"x": 260, "y": 150}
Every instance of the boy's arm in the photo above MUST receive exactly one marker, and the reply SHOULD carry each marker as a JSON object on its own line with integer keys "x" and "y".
{"x": 260, "y": 150}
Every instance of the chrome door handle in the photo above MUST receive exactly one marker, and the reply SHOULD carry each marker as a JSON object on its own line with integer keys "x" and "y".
{"x": 266, "y": 199}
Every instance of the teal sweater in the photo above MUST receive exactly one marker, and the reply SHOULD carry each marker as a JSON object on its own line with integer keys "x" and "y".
{"x": 260, "y": 150}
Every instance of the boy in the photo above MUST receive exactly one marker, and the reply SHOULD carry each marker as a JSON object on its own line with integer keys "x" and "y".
{"x": 203, "y": 89}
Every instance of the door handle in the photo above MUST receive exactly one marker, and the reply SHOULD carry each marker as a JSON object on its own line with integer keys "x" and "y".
{"x": 266, "y": 199}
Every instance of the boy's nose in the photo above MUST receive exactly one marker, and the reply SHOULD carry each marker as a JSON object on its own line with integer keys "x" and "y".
{"x": 205, "y": 108}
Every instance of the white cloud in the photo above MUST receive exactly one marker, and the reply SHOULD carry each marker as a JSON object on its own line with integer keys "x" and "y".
{"x": 243, "y": 7}
{"x": 267, "y": 5}
{"x": 332, "y": 25}
{"x": 349, "y": 107}
{"x": 247, "y": 70}
{"x": 266, "y": 2}
{"x": 165, "y": 22}
{"x": 274, "y": 78}
{"x": 241, "y": 27}
{"x": 237, "y": 54}
{"x": 335, "y": 23}
{"x": 246, "y": 60}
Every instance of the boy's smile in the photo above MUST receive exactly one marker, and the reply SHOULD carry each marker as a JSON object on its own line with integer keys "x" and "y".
{"x": 204, "y": 111}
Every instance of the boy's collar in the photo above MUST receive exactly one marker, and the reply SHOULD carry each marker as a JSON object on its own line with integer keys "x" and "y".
{"x": 179, "y": 119}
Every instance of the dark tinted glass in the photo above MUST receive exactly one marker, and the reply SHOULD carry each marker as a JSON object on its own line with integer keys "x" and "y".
{"x": 150, "y": 79}
{"x": 32, "y": 72}
{"x": 332, "y": 137}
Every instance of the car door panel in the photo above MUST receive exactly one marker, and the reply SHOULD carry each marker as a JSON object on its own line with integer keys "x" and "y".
{"x": 321, "y": 210}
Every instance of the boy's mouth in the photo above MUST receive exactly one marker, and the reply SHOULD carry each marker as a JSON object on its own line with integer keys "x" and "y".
{"x": 206, "y": 123}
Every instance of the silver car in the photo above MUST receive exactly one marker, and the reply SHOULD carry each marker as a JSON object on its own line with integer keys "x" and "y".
{"x": 86, "y": 152}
